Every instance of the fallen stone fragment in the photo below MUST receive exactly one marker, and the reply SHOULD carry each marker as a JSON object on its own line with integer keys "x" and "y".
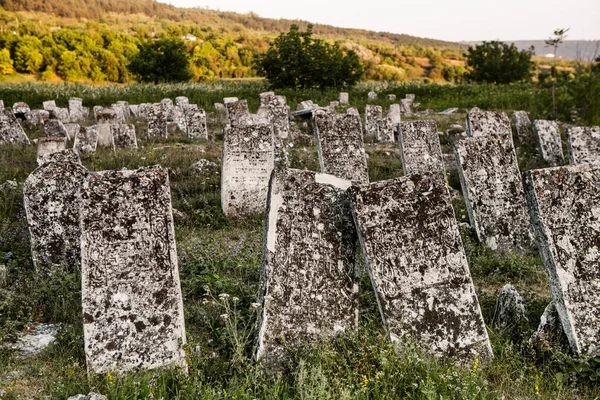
{"x": 509, "y": 307}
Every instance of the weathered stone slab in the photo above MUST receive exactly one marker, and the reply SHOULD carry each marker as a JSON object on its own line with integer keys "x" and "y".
{"x": 49, "y": 145}
{"x": 373, "y": 119}
{"x": 49, "y": 105}
{"x": 343, "y": 98}
{"x": 584, "y": 144}
{"x": 195, "y": 120}
{"x": 418, "y": 266}
{"x": 134, "y": 110}
{"x": 410, "y": 97}
{"x": 55, "y": 128}
{"x": 265, "y": 98}
{"x": 76, "y": 110}
{"x": 178, "y": 116}
{"x": 221, "y": 112}
{"x": 564, "y": 206}
{"x": 157, "y": 121}
{"x": 248, "y": 159}
{"x": 168, "y": 103}
{"x": 420, "y": 149}
{"x": 340, "y": 145}
{"x": 106, "y": 118}
{"x": 21, "y": 111}
{"x": 236, "y": 111}
{"x": 11, "y": 131}
{"x": 52, "y": 205}
{"x": 278, "y": 114}
{"x": 181, "y": 101}
{"x": 309, "y": 286}
{"x": 406, "y": 107}
{"x": 227, "y": 100}
{"x": 131, "y": 295}
{"x": 126, "y": 109}
{"x": 371, "y": 96}
{"x": 72, "y": 130}
{"x": 124, "y": 136}
{"x": 449, "y": 111}
{"x": 391, "y": 97}
{"x": 510, "y": 308}
{"x": 548, "y": 140}
{"x": 485, "y": 123}
{"x": 38, "y": 117}
{"x": 143, "y": 110}
{"x": 493, "y": 191}
{"x": 389, "y": 125}
{"x": 122, "y": 112}
{"x": 62, "y": 114}
{"x": 522, "y": 123}
{"x": 86, "y": 140}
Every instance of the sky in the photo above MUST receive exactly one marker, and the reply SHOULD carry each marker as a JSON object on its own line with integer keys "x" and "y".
{"x": 452, "y": 20}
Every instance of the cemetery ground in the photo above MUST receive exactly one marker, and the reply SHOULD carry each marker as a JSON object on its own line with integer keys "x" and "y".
{"x": 219, "y": 262}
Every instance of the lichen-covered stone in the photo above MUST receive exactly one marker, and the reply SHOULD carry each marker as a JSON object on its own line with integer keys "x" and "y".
{"x": 49, "y": 145}
{"x": 125, "y": 109}
{"x": 52, "y": 205}
{"x": 278, "y": 114}
{"x": 55, "y": 128}
{"x": 86, "y": 140}
{"x": 182, "y": 101}
{"x": 236, "y": 111}
{"x": 343, "y": 98}
{"x": 248, "y": 159}
{"x": 522, "y": 123}
{"x": 373, "y": 117}
{"x": 510, "y": 308}
{"x": 131, "y": 295}
{"x": 49, "y": 105}
{"x": 11, "y": 131}
{"x": 124, "y": 136}
{"x": 493, "y": 191}
{"x": 156, "y": 115}
{"x": 391, "y": 97}
{"x": 38, "y": 117}
{"x": 418, "y": 266}
{"x": 309, "y": 288}
{"x": 119, "y": 109}
{"x": 485, "y": 123}
{"x": 105, "y": 136}
{"x": 371, "y": 96}
{"x": 340, "y": 146}
{"x": 420, "y": 149}
{"x": 72, "y": 130}
{"x": 548, "y": 140}
{"x": 21, "y": 111}
{"x": 77, "y": 112}
{"x": 390, "y": 124}
{"x": 195, "y": 120}
{"x": 406, "y": 107}
{"x": 565, "y": 206}
{"x": 62, "y": 114}
{"x": 134, "y": 109}
{"x": 265, "y": 98}
{"x": 584, "y": 144}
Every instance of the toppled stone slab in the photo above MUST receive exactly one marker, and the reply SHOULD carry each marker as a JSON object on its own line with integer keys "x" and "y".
{"x": 564, "y": 206}
{"x": 309, "y": 286}
{"x": 34, "y": 341}
{"x": 195, "y": 120}
{"x": 205, "y": 167}
{"x": 343, "y": 98}
{"x": 86, "y": 140}
{"x": 52, "y": 205}
{"x": 157, "y": 121}
{"x": 418, "y": 266}
{"x": 373, "y": 117}
{"x": 522, "y": 123}
{"x": 131, "y": 295}
{"x": 248, "y": 159}
{"x": 420, "y": 149}
{"x": 340, "y": 146}
{"x": 49, "y": 145}
{"x": 510, "y": 308}
{"x": 448, "y": 111}
{"x": 55, "y": 128}
{"x": 493, "y": 191}
{"x": 124, "y": 136}
{"x": 11, "y": 131}
{"x": 584, "y": 144}
{"x": 548, "y": 140}
{"x": 227, "y": 100}
{"x": 237, "y": 111}
{"x": 485, "y": 123}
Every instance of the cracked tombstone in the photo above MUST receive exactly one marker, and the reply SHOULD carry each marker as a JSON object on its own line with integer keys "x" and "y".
{"x": 340, "y": 146}
{"x": 131, "y": 294}
{"x": 55, "y": 128}
{"x": 418, "y": 265}
{"x": 420, "y": 149}
{"x": 124, "y": 136}
{"x": 237, "y": 111}
{"x": 248, "y": 159}
{"x": 522, "y": 123}
{"x": 309, "y": 286}
{"x": 11, "y": 131}
{"x": 343, "y": 98}
{"x": 548, "y": 141}
{"x": 493, "y": 190}
{"x": 584, "y": 144}
{"x": 195, "y": 120}
{"x": 47, "y": 146}
{"x": 86, "y": 140}
{"x": 564, "y": 207}
{"x": 485, "y": 123}
{"x": 51, "y": 202}
{"x": 157, "y": 121}
{"x": 373, "y": 117}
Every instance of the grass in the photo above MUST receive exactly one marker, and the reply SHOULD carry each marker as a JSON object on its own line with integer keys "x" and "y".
{"x": 219, "y": 261}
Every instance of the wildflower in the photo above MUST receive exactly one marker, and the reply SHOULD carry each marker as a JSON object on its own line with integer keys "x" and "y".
{"x": 475, "y": 365}
{"x": 235, "y": 299}
{"x": 255, "y": 305}
{"x": 224, "y": 316}
{"x": 365, "y": 382}
{"x": 223, "y": 296}
{"x": 537, "y": 390}
{"x": 110, "y": 378}
{"x": 377, "y": 375}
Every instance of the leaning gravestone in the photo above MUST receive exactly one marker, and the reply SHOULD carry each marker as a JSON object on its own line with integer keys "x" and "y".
{"x": 157, "y": 121}
{"x": 373, "y": 117}
{"x": 248, "y": 159}
{"x": 49, "y": 105}
{"x": 55, "y": 128}
{"x": 389, "y": 125}
{"x": 584, "y": 144}
{"x": 485, "y": 123}
{"x": 47, "y": 146}
{"x": 124, "y": 136}
{"x": 493, "y": 190}
{"x": 564, "y": 209}
{"x": 125, "y": 108}
{"x": 131, "y": 295}
{"x": 195, "y": 120}
{"x": 72, "y": 130}
{"x": 418, "y": 266}
{"x": 340, "y": 146}
{"x": 86, "y": 140}
{"x": 278, "y": 113}
{"x": 309, "y": 285}
{"x": 420, "y": 149}
{"x": 52, "y": 205}
{"x": 548, "y": 141}
{"x": 237, "y": 111}
{"x": 21, "y": 111}
{"x": 11, "y": 131}
{"x": 343, "y": 98}
{"x": 522, "y": 123}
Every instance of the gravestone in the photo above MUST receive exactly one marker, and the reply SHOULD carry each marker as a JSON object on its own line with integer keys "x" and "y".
{"x": 236, "y": 111}
{"x": 182, "y": 101}
{"x": 49, "y": 105}
{"x": 373, "y": 117}
{"x": 1, "y": 105}
{"x": 47, "y": 146}
{"x": 265, "y": 98}
{"x": 143, "y": 110}
{"x": 178, "y": 116}
{"x": 157, "y": 121}
{"x": 38, "y": 117}
{"x": 420, "y": 149}
{"x": 106, "y": 118}
{"x": 55, "y": 128}
{"x": 11, "y": 131}
{"x": 309, "y": 285}
{"x": 493, "y": 190}
{"x": 418, "y": 265}
{"x": 343, "y": 98}
{"x": 410, "y": 97}
{"x": 72, "y": 130}
{"x": 134, "y": 110}
{"x": 485, "y": 123}
{"x": 62, "y": 114}
{"x": 131, "y": 295}
{"x": 51, "y": 202}
{"x": 195, "y": 120}
{"x": 405, "y": 107}
{"x": 227, "y": 100}
{"x": 221, "y": 112}
{"x": 248, "y": 159}
{"x": 522, "y": 123}
{"x": 168, "y": 103}
{"x": 371, "y": 96}
{"x": 125, "y": 108}
{"x": 76, "y": 110}
{"x": 119, "y": 109}
{"x": 584, "y": 144}
{"x": 278, "y": 114}
{"x": 124, "y": 136}
{"x": 564, "y": 209}
{"x": 21, "y": 111}
{"x": 389, "y": 125}
{"x": 510, "y": 308}
{"x": 340, "y": 146}
{"x": 548, "y": 141}
{"x": 86, "y": 140}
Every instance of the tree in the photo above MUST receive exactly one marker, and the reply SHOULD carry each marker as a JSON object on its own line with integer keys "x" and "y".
{"x": 6, "y": 64}
{"x": 498, "y": 62}
{"x": 164, "y": 60}
{"x": 554, "y": 41}
{"x": 295, "y": 59}
{"x": 28, "y": 54}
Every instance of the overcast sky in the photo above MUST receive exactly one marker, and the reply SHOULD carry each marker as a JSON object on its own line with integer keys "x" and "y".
{"x": 453, "y": 20}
